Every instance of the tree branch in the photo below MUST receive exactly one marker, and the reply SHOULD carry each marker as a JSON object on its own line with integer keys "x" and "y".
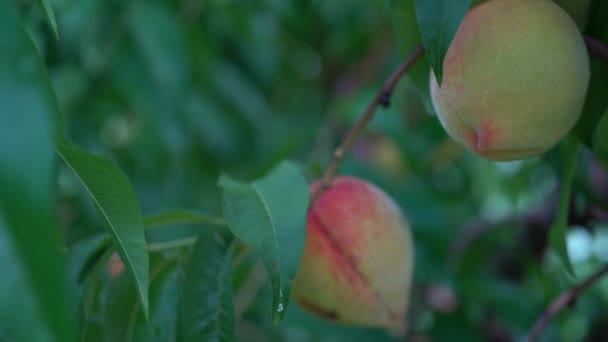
{"x": 382, "y": 98}
{"x": 596, "y": 47}
{"x": 562, "y": 301}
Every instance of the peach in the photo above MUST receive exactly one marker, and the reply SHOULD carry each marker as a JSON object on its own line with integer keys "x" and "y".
{"x": 514, "y": 79}
{"x": 357, "y": 263}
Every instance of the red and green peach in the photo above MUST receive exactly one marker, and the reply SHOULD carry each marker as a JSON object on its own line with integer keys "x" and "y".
{"x": 357, "y": 263}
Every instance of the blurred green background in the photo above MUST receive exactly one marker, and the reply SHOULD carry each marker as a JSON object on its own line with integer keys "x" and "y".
{"x": 177, "y": 92}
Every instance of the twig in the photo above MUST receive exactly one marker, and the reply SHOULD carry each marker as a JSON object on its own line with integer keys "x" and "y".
{"x": 597, "y": 47}
{"x": 562, "y": 301}
{"x": 382, "y": 98}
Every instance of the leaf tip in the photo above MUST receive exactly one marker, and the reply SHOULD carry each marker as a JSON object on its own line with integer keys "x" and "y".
{"x": 439, "y": 76}
{"x": 279, "y": 307}
{"x": 146, "y": 309}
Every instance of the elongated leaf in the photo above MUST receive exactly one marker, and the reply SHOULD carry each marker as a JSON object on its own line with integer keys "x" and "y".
{"x": 438, "y": 21}
{"x": 181, "y": 217}
{"x": 112, "y": 193}
{"x": 20, "y": 312}
{"x": 596, "y": 102}
{"x": 600, "y": 140}
{"x": 45, "y": 6}
{"x": 124, "y": 320}
{"x": 84, "y": 260}
{"x": 557, "y": 235}
{"x": 33, "y": 303}
{"x": 206, "y": 308}
{"x": 84, "y": 257}
{"x": 270, "y": 215}
{"x": 91, "y": 328}
{"x": 407, "y": 36}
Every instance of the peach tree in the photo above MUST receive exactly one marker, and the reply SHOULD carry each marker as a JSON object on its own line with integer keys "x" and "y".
{"x": 178, "y": 170}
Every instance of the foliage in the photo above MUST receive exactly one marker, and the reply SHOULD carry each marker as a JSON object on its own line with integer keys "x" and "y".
{"x": 139, "y": 234}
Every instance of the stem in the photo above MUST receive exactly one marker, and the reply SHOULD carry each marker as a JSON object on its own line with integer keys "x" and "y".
{"x": 382, "y": 98}
{"x": 562, "y": 301}
{"x": 181, "y": 217}
{"x": 596, "y": 47}
{"x": 161, "y": 246}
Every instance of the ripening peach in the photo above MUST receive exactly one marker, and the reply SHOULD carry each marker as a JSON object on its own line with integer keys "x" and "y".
{"x": 357, "y": 263}
{"x": 514, "y": 79}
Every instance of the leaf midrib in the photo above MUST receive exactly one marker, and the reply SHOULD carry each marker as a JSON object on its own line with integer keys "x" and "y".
{"x": 274, "y": 230}
{"x": 437, "y": 50}
{"x": 107, "y": 218}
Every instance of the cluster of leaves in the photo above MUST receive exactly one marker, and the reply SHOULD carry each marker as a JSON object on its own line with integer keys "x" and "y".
{"x": 178, "y": 94}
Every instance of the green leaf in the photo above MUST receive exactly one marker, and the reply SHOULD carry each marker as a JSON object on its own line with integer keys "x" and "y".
{"x": 206, "y": 308}
{"x": 91, "y": 328}
{"x": 33, "y": 301}
{"x": 157, "y": 34}
{"x": 45, "y": 6}
{"x": 20, "y": 311}
{"x": 557, "y": 234}
{"x": 596, "y": 101}
{"x": 438, "y": 21}
{"x": 408, "y": 38}
{"x": 111, "y": 191}
{"x": 600, "y": 140}
{"x": 84, "y": 260}
{"x": 181, "y": 217}
{"x": 270, "y": 215}
{"x": 124, "y": 319}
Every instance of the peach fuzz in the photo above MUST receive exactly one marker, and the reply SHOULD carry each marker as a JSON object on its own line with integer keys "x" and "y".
{"x": 357, "y": 263}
